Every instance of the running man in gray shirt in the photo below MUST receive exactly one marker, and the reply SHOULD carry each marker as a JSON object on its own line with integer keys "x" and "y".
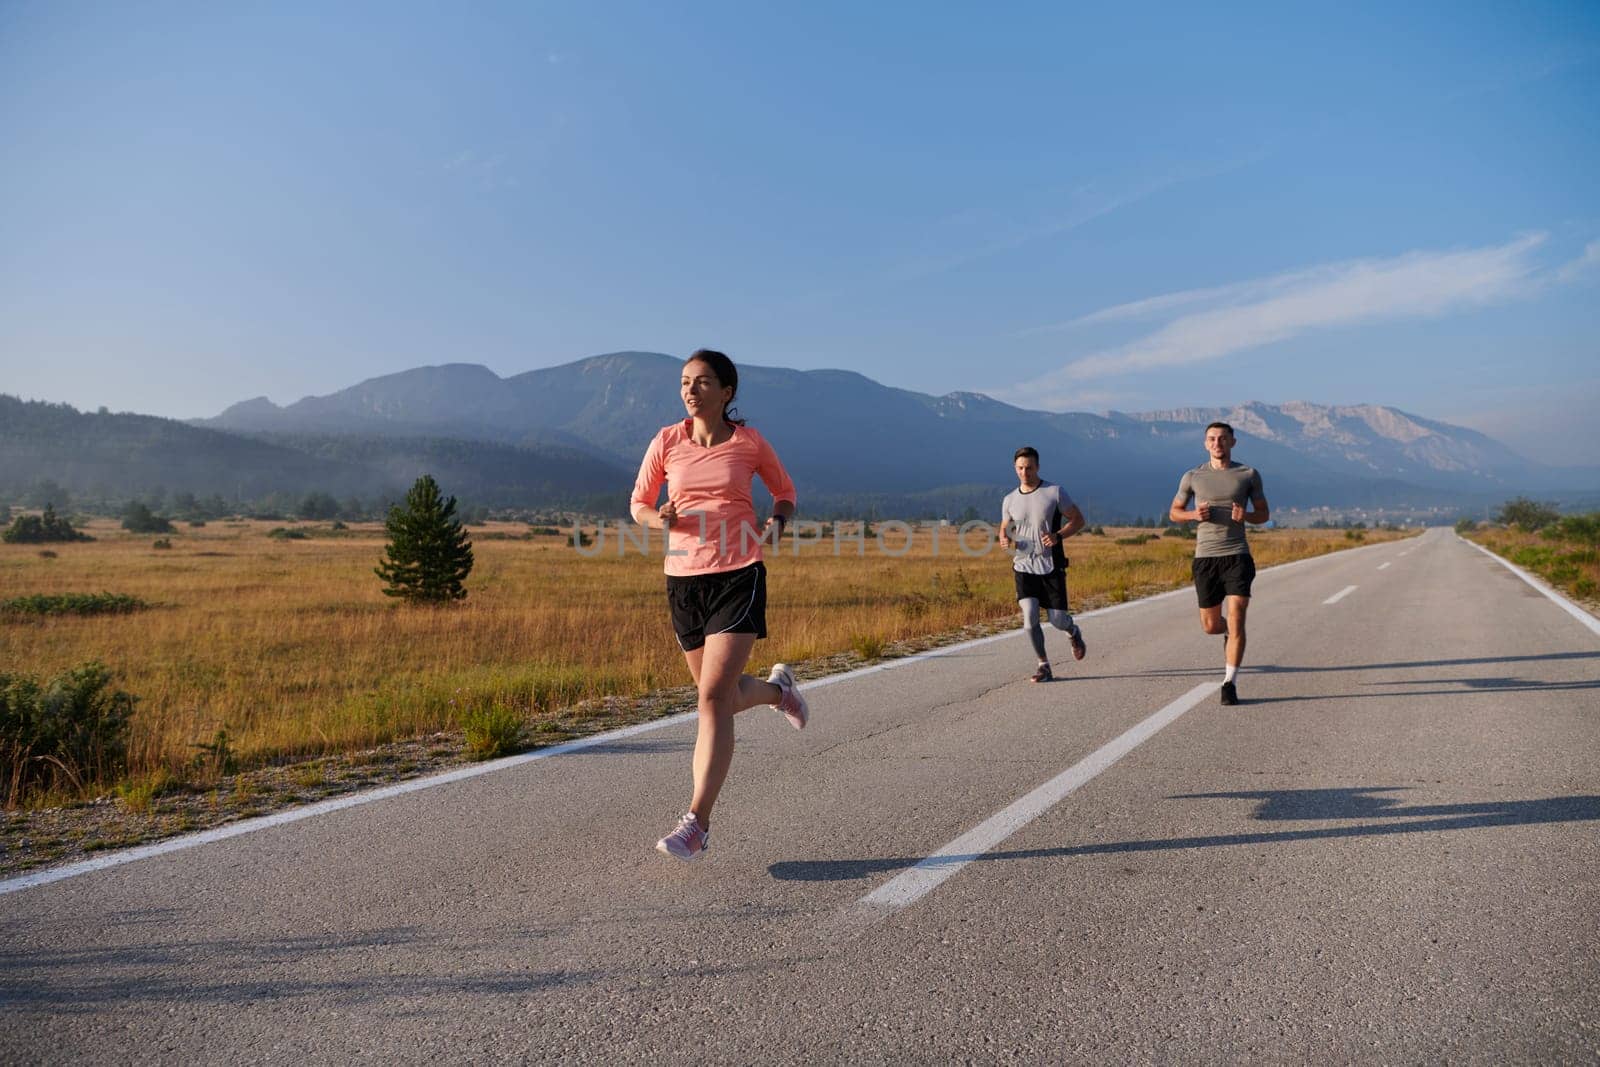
{"x": 1035, "y": 518}
{"x": 1220, "y": 489}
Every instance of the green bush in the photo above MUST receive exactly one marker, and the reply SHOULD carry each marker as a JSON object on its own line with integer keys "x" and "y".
{"x": 161, "y": 542}
{"x": 71, "y": 731}
{"x": 283, "y": 533}
{"x": 1465, "y": 526}
{"x": 38, "y": 529}
{"x": 868, "y": 646}
{"x": 1137, "y": 539}
{"x": 492, "y": 731}
{"x": 1527, "y": 514}
{"x": 138, "y": 518}
{"x": 72, "y": 604}
{"x": 1584, "y": 529}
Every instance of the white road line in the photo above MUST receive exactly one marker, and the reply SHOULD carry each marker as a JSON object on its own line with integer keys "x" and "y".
{"x": 1560, "y": 601}
{"x": 175, "y": 844}
{"x": 910, "y": 886}
{"x": 1382, "y": 566}
{"x": 1340, "y": 595}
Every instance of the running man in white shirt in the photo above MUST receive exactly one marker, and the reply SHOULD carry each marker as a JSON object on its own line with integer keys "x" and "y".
{"x": 1034, "y": 519}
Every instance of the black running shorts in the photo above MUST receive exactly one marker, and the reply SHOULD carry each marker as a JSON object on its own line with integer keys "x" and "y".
{"x": 728, "y": 602}
{"x": 1050, "y": 590}
{"x": 1216, "y": 577}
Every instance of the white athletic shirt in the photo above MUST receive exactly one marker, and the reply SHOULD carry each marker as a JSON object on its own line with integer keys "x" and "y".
{"x": 1031, "y": 514}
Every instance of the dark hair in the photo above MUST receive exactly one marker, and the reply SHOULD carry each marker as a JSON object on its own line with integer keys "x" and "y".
{"x": 1026, "y": 450}
{"x": 1222, "y": 426}
{"x": 727, "y": 376}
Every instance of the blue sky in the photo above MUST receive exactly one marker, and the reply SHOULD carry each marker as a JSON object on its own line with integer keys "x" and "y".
{"x": 1065, "y": 208}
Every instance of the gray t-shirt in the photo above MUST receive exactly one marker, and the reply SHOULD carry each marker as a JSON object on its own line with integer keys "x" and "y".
{"x": 1031, "y": 514}
{"x": 1221, "y": 536}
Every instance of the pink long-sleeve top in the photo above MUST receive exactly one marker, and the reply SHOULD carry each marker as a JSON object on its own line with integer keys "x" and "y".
{"x": 716, "y": 528}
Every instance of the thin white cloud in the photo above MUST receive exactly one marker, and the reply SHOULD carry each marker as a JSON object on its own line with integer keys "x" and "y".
{"x": 1272, "y": 309}
{"x": 1157, "y": 306}
{"x": 1589, "y": 258}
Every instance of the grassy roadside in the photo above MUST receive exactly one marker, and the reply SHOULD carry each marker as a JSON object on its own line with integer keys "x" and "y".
{"x": 274, "y": 650}
{"x": 1567, "y": 555}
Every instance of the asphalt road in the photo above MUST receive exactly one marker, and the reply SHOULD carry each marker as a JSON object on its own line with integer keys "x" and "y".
{"x": 1389, "y": 852}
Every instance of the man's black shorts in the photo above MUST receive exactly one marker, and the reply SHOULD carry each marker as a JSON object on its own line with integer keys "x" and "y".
{"x": 1050, "y": 590}
{"x": 1216, "y": 577}
{"x": 728, "y": 602}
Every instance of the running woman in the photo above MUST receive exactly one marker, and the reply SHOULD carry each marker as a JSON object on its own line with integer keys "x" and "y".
{"x": 1035, "y": 518}
{"x": 1223, "y": 567}
{"x": 716, "y": 581}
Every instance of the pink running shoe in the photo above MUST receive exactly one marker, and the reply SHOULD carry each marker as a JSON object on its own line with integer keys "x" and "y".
{"x": 792, "y": 704}
{"x": 688, "y": 841}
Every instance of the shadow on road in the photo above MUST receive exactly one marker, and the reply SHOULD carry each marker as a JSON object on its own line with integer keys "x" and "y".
{"x": 1272, "y": 668}
{"x": 1306, "y": 804}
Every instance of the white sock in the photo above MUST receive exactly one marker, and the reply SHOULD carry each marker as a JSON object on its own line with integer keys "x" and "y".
{"x": 1228, "y": 674}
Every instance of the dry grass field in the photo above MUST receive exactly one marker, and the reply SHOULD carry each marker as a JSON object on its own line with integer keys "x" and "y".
{"x": 290, "y": 646}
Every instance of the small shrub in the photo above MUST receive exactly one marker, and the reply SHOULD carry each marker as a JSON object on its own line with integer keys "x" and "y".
{"x": 215, "y": 757}
{"x": 1355, "y": 535}
{"x": 1584, "y": 529}
{"x": 492, "y": 731}
{"x": 310, "y": 775}
{"x": 47, "y": 553}
{"x": 1136, "y": 539}
{"x": 72, "y": 604}
{"x": 138, "y": 518}
{"x": 36, "y": 529}
{"x": 196, "y": 523}
{"x": 867, "y": 646}
{"x": 139, "y": 794}
{"x": 1528, "y": 514}
{"x": 1465, "y": 526}
{"x": 71, "y": 731}
{"x": 161, "y": 542}
{"x": 1583, "y": 587}
{"x": 282, "y": 533}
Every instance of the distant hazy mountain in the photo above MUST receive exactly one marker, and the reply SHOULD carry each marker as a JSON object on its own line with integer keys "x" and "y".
{"x": 572, "y": 435}
{"x": 115, "y": 456}
{"x": 843, "y": 435}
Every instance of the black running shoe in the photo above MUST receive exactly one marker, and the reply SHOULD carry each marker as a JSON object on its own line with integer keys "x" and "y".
{"x": 1043, "y": 673}
{"x": 1230, "y": 695}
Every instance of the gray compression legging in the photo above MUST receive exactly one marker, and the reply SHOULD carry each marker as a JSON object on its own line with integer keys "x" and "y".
{"x": 1061, "y": 620}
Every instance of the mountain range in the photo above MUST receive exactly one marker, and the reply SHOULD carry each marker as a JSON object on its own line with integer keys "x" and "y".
{"x": 574, "y": 433}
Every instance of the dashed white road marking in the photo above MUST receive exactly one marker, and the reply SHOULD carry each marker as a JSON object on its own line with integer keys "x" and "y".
{"x": 1340, "y": 595}
{"x": 910, "y": 886}
{"x": 1381, "y": 566}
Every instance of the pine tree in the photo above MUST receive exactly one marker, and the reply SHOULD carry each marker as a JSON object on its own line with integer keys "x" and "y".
{"x": 429, "y": 555}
